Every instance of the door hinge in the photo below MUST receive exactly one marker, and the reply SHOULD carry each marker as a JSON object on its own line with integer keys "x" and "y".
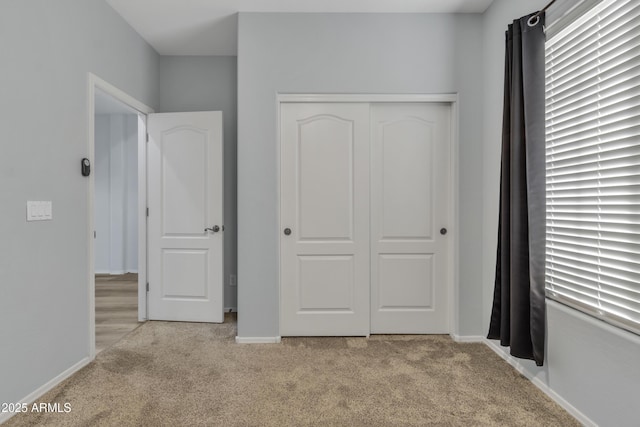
{"x": 94, "y": 234}
{"x": 147, "y": 137}
{"x": 147, "y": 286}
{"x": 147, "y": 211}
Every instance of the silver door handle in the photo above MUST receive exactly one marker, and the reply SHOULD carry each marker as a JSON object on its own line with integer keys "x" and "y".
{"x": 213, "y": 229}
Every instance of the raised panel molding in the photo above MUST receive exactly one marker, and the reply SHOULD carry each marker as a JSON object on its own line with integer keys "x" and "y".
{"x": 185, "y": 175}
{"x": 405, "y": 213}
{"x": 405, "y": 282}
{"x": 329, "y": 213}
{"x": 182, "y": 271}
{"x": 326, "y": 283}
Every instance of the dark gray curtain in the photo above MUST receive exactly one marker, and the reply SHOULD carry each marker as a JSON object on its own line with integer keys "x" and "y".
{"x": 518, "y": 314}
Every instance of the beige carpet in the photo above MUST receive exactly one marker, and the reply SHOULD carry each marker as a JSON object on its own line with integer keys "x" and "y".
{"x": 188, "y": 374}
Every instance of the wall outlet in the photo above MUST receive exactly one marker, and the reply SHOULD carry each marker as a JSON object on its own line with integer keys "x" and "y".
{"x": 232, "y": 280}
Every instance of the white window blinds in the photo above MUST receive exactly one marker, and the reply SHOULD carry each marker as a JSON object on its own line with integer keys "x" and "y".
{"x": 593, "y": 163}
{"x": 564, "y": 12}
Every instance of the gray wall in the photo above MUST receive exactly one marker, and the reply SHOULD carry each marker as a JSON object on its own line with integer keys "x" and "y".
{"x": 115, "y": 169}
{"x": 200, "y": 83}
{"x": 591, "y": 365}
{"x": 348, "y": 53}
{"x": 47, "y": 48}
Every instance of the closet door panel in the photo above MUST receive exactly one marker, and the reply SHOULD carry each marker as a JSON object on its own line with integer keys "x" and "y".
{"x": 406, "y": 184}
{"x": 325, "y": 178}
{"x": 410, "y": 193}
{"x": 324, "y": 245}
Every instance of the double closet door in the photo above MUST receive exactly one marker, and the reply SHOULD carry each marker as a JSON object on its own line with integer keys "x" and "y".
{"x": 365, "y": 205}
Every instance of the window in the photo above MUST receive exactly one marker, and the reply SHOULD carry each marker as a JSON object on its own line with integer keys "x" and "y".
{"x": 593, "y": 163}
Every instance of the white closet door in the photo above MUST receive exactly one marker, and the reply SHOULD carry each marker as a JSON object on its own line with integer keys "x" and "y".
{"x": 410, "y": 190}
{"x": 324, "y": 219}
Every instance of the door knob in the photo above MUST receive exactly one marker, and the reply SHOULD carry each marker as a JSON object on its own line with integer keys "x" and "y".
{"x": 443, "y": 231}
{"x": 214, "y": 229}
{"x": 287, "y": 231}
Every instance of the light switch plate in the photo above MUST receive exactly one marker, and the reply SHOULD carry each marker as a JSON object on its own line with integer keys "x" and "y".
{"x": 39, "y": 211}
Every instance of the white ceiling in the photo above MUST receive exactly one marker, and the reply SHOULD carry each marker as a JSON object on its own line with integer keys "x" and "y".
{"x": 209, "y": 27}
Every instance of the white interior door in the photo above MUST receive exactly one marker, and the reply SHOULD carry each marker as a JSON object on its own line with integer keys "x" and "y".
{"x": 410, "y": 190}
{"x": 185, "y": 223}
{"x": 324, "y": 219}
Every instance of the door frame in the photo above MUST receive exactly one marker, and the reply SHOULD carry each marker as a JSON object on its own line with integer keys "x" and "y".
{"x": 96, "y": 83}
{"x": 454, "y": 190}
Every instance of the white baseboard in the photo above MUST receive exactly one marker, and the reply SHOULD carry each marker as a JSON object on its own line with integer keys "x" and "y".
{"x": 500, "y": 351}
{"x": 231, "y": 309}
{"x": 257, "y": 340}
{"x": 33, "y": 396}
{"x": 467, "y": 338}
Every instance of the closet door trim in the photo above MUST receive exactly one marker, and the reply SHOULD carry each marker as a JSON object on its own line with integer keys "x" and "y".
{"x": 367, "y": 99}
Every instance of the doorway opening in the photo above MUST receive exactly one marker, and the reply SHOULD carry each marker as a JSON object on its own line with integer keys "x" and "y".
{"x": 117, "y": 217}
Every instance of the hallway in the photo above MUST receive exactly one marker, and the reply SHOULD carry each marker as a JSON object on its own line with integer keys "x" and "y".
{"x": 116, "y": 308}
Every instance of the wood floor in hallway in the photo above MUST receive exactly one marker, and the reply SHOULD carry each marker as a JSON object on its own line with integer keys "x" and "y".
{"x": 116, "y": 308}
